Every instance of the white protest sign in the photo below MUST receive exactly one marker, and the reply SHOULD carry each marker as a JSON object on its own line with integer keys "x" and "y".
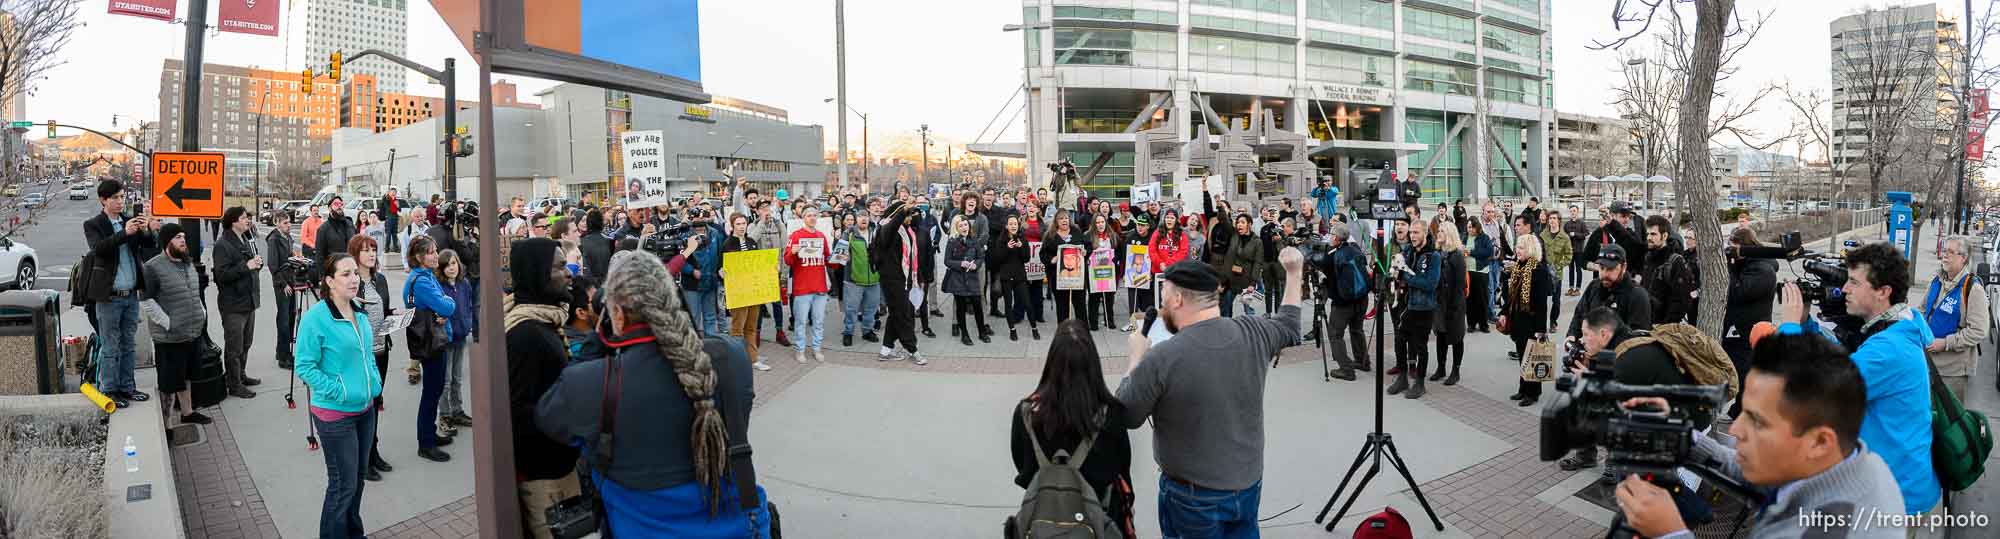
{"x": 645, "y": 169}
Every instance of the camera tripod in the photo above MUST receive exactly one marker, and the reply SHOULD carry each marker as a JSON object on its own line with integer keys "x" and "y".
{"x": 1379, "y": 443}
{"x": 299, "y": 308}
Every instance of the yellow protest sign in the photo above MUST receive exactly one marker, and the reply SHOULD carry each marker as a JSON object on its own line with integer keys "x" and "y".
{"x": 750, "y": 277}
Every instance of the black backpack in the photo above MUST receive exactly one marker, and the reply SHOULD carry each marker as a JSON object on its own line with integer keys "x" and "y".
{"x": 1059, "y": 502}
{"x": 1350, "y": 281}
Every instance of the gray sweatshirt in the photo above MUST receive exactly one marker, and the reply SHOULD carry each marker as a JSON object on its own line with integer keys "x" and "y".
{"x": 1204, "y": 391}
{"x": 1851, "y": 499}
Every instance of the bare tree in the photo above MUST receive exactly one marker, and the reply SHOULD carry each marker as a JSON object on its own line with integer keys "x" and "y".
{"x": 291, "y": 183}
{"x": 32, "y": 35}
{"x": 1701, "y": 56}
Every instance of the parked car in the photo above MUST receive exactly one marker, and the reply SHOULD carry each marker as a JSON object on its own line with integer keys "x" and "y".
{"x": 21, "y": 258}
{"x": 34, "y": 200}
{"x": 11, "y": 191}
{"x": 79, "y": 192}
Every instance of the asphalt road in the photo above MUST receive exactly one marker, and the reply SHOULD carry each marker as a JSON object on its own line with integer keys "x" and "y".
{"x": 56, "y": 233}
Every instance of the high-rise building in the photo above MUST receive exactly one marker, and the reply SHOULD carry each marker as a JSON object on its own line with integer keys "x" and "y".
{"x": 321, "y": 27}
{"x": 364, "y": 105}
{"x": 1597, "y": 146}
{"x": 1895, "y": 74}
{"x": 1372, "y": 82}
{"x": 253, "y": 115}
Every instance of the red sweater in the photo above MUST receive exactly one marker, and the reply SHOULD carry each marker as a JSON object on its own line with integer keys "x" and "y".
{"x": 808, "y": 279}
{"x": 1163, "y": 251}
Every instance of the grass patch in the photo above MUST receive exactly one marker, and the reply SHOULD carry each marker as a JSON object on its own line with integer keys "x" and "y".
{"x": 52, "y": 478}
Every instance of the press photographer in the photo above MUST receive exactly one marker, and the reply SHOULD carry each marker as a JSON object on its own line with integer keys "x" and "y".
{"x": 1753, "y": 283}
{"x": 1342, "y": 269}
{"x": 1889, "y": 354}
{"x": 1801, "y": 450}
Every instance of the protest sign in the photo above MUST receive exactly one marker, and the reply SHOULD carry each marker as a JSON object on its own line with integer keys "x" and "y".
{"x": 1070, "y": 267}
{"x": 812, "y": 252}
{"x": 750, "y": 278}
{"x": 1033, "y": 266}
{"x": 1103, "y": 271}
{"x": 839, "y": 257}
{"x": 1138, "y": 267}
{"x": 645, "y": 169}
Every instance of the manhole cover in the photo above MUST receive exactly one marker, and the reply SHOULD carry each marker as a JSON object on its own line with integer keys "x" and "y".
{"x": 185, "y": 435}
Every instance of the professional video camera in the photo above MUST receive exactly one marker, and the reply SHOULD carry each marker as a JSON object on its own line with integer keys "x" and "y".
{"x": 1819, "y": 284}
{"x": 668, "y": 241}
{"x": 1377, "y": 194}
{"x": 295, "y": 274}
{"x": 1585, "y": 412}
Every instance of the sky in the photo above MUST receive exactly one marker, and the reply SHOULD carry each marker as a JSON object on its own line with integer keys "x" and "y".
{"x": 947, "y": 64}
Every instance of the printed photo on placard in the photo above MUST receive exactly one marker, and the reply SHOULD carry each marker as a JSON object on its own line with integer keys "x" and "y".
{"x": 1103, "y": 271}
{"x": 812, "y": 252}
{"x": 1033, "y": 267}
{"x": 1138, "y": 267}
{"x": 1070, "y": 271}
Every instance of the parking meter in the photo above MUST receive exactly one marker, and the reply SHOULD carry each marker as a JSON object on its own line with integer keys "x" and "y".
{"x": 1900, "y": 225}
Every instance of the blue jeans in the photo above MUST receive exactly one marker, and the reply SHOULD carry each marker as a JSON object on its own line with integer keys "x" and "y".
{"x": 859, "y": 302}
{"x": 1191, "y": 512}
{"x": 427, "y": 401}
{"x": 808, "y": 312}
{"x": 1492, "y": 288}
{"x": 118, "y": 324}
{"x": 702, "y": 304}
{"x": 345, "y": 445}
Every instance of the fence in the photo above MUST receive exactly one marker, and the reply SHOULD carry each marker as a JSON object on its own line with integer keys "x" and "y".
{"x": 1821, "y": 225}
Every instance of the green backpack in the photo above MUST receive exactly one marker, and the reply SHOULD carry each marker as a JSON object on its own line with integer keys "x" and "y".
{"x": 1059, "y": 502}
{"x": 1960, "y": 439}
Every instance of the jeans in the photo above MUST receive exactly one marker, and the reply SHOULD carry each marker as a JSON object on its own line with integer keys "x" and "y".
{"x": 859, "y": 304}
{"x": 1229, "y": 300}
{"x": 118, "y": 326}
{"x": 702, "y": 304}
{"x": 427, "y": 402}
{"x": 452, "y": 402}
{"x": 1576, "y": 272}
{"x": 1191, "y": 512}
{"x": 287, "y": 322}
{"x": 344, "y": 443}
{"x": 776, "y": 310}
{"x": 238, "y": 329}
{"x": 808, "y": 312}
{"x": 1492, "y": 287}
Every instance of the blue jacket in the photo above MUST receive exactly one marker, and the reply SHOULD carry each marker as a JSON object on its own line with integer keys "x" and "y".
{"x": 1326, "y": 202}
{"x": 334, "y": 358}
{"x": 1423, "y": 281}
{"x": 1898, "y": 423}
{"x": 1482, "y": 251}
{"x": 423, "y": 292}
{"x": 708, "y": 259}
{"x": 465, "y": 317}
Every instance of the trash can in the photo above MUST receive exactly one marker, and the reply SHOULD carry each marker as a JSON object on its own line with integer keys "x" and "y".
{"x": 205, "y": 374}
{"x": 30, "y": 343}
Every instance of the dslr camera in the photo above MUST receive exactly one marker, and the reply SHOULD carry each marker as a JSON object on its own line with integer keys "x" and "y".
{"x": 1585, "y": 412}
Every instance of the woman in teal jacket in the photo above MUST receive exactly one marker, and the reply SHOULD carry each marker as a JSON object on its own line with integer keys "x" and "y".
{"x": 334, "y": 358}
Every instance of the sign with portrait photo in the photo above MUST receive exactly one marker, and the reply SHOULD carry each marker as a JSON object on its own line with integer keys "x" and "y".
{"x": 1138, "y": 267}
{"x": 1034, "y": 268}
{"x": 1103, "y": 271}
{"x": 645, "y": 169}
{"x": 1070, "y": 268}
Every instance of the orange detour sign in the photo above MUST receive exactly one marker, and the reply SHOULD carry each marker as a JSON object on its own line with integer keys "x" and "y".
{"x": 187, "y": 184}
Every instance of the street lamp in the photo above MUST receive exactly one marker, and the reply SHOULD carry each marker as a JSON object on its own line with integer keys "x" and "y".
{"x": 865, "y": 159}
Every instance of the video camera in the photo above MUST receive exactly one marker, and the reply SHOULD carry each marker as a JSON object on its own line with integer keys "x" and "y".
{"x": 1585, "y": 412}
{"x": 1824, "y": 273}
{"x": 1377, "y": 194}
{"x": 668, "y": 241}
{"x": 296, "y": 274}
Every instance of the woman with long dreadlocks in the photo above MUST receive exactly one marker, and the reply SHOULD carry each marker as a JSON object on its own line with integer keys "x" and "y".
{"x": 663, "y": 472}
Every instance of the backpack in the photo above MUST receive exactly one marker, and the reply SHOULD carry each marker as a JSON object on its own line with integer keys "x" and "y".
{"x": 1388, "y": 524}
{"x": 1060, "y": 503}
{"x": 1351, "y": 285}
{"x": 1696, "y": 356}
{"x": 1960, "y": 439}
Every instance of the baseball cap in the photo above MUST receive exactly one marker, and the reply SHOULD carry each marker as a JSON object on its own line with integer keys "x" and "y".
{"x": 1620, "y": 206}
{"x": 1192, "y": 275}
{"x": 1610, "y": 255}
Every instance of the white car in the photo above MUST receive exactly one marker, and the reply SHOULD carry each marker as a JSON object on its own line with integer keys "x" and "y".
{"x": 79, "y": 192}
{"x": 34, "y": 200}
{"x": 19, "y": 260}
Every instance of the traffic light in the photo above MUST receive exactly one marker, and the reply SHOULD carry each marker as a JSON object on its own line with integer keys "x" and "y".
{"x": 306, "y": 81}
{"x": 333, "y": 69}
{"x": 52, "y": 129}
{"x": 457, "y": 145}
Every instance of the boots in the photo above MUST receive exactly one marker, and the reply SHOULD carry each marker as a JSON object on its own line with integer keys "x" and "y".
{"x": 1452, "y": 380}
{"x": 782, "y": 341}
{"x": 1439, "y": 375}
{"x": 1416, "y": 390}
{"x": 964, "y": 337}
{"x": 1035, "y": 331}
{"x": 1402, "y": 381}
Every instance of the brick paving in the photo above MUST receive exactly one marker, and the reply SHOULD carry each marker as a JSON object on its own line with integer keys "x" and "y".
{"x": 1496, "y": 498}
{"x": 217, "y": 496}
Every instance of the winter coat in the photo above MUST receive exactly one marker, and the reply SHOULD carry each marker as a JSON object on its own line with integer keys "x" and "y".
{"x": 1421, "y": 280}
{"x": 958, "y": 252}
{"x": 1753, "y": 284}
{"x": 1451, "y": 297}
{"x": 1052, "y": 248}
{"x": 1008, "y": 264}
{"x": 1246, "y": 252}
{"x": 1626, "y": 297}
{"x": 1524, "y": 321}
{"x": 1166, "y": 248}
{"x": 235, "y": 282}
{"x": 175, "y": 286}
{"x": 422, "y": 291}
{"x": 1897, "y": 424}
{"x": 465, "y": 318}
{"x": 333, "y": 235}
{"x": 707, "y": 259}
{"x": 1482, "y": 252}
{"x": 1556, "y": 249}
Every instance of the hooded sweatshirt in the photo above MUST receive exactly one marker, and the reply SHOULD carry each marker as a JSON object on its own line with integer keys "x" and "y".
{"x": 1897, "y": 426}
{"x": 536, "y": 355}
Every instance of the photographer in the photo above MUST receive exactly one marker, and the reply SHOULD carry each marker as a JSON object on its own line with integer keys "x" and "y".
{"x": 1616, "y": 229}
{"x": 702, "y": 276}
{"x": 1890, "y": 358}
{"x": 1753, "y": 283}
{"x": 1612, "y": 291}
{"x": 1670, "y": 280}
{"x": 1802, "y": 449}
{"x": 1347, "y": 288}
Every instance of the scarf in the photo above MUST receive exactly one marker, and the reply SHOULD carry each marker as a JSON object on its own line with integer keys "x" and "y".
{"x": 533, "y": 312}
{"x": 909, "y": 251}
{"x": 1523, "y": 284}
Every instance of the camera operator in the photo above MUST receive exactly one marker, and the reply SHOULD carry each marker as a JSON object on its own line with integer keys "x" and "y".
{"x": 1615, "y": 229}
{"x": 1670, "y": 280}
{"x": 1890, "y": 358}
{"x": 1346, "y": 300}
{"x": 702, "y": 275}
{"x": 1802, "y": 447}
{"x": 1753, "y": 283}
{"x": 1614, "y": 292}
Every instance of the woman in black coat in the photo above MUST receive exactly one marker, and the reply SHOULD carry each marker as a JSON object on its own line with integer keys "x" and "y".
{"x": 1068, "y": 302}
{"x": 1008, "y": 259}
{"x": 1451, "y": 295}
{"x": 961, "y": 279}
{"x": 1528, "y": 286}
{"x": 1069, "y": 405}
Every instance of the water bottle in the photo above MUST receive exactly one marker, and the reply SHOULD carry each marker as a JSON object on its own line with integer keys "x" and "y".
{"x": 131, "y": 455}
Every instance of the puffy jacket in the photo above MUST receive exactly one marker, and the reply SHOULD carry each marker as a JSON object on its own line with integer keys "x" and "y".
{"x": 177, "y": 288}
{"x": 333, "y": 358}
{"x": 1898, "y": 423}
{"x": 958, "y": 280}
{"x": 235, "y": 282}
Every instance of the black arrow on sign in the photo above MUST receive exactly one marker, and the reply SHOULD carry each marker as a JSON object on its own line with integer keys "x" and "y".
{"x": 180, "y": 192}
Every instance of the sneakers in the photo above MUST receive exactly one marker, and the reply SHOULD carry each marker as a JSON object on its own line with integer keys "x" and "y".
{"x": 196, "y": 418}
{"x": 870, "y": 337}
{"x": 434, "y": 455}
{"x": 918, "y": 358}
{"x": 459, "y": 420}
{"x": 1578, "y": 460}
{"x": 1130, "y": 326}
{"x": 817, "y": 354}
{"x": 248, "y": 381}
{"x": 760, "y": 366}
{"x": 887, "y": 354}
{"x": 242, "y": 393}
{"x": 800, "y": 356}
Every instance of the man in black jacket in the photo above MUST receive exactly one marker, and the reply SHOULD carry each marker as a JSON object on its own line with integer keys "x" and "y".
{"x": 1670, "y": 279}
{"x": 1616, "y": 229}
{"x": 928, "y": 239}
{"x": 595, "y": 245}
{"x": 237, "y": 262}
{"x": 118, "y": 245}
{"x": 1614, "y": 292}
{"x": 1753, "y": 283}
{"x": 887, "y": 251}
{"x": 536, "y": 356}
{"x": 334, "y": 232}
{"x": 280, "y": 245}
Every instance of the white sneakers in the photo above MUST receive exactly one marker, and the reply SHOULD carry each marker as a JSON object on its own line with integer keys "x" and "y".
{"x": 760, "y": 366}
{"x": 799, "y": 355}
{"x": 888, "y": 354}
{"x": 817, "y": 354}
{"x": 918, "y": 358}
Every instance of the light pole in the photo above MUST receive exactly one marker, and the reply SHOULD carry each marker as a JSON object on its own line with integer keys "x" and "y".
{"x": 866, "y": 161}
{"x": 924, "y": 132}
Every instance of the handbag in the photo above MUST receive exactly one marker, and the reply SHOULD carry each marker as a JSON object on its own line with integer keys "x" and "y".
{"x": 427, "y": 336}
{"x": 1538, "y": 364}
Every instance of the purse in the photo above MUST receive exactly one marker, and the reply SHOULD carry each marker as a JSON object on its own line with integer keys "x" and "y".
{"x": 1538, "y": 364}
{"x": 427, "y": 336}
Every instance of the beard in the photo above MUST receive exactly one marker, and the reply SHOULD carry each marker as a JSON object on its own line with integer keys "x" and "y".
{"x": 177, "y": 253}
{"x": 1167, "y": 317}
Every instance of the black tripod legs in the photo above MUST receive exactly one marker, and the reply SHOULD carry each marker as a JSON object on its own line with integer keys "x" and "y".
{"x": 1378, "y": 446}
